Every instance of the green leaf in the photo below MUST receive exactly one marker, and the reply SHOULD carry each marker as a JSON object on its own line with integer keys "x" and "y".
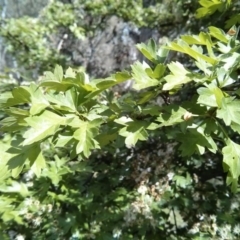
{"x": 231, "y": 153}
{"x": 5, "y": 157}
{"x": 178, "y": 76}
{"x": 209, "y": 7}
{"x": 206, "y": 97}
{"x": 17, "y": 187}
{"x": 218, "y": 34}
{"x": 134, "y": 131}
{"x": 65, "y": 101}
{"x": 142, "y": 79}
{"x": 182, "y": 181}
{"x": 85, "y": 136}
{"x": 70, "y": 73}
{"x": 37, "y": 160}
{"x": 58, "y": 73}
{"x": 171, "y": 115}
{"x": 194, "y": 52}
{"x": 233, "y": 20}
{"x": 196, "y": 140}
{"x": 149, "y": 50}
{"x": 229, "y": 111}
{"x": 21, "y": 94}
{"x": 158, "y": 71}
{"x": 39, "y": 102}
{"x": 42, "y": 126}
{"x": 16, "y": 163}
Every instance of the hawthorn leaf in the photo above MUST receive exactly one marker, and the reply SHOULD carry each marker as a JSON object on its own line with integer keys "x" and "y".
{"x": 148, "y": 50}
{"x": 206, "y": 97}
{"x": 42, "y": 126}
{"x": 17, "y": 187}
{"x": 63, "y": 140}
{"x": 65, "y": 101}
{"x": 58, "y": 73}
{"x": 233, "y": 20}
{"x": 38, "y": 100}
{"x": 134, "y": 131}
{"x": 16, "y": 163}
{"x": 171, "y": 115}
{"x": 218, "y": 34}
{"x": 158, "y": 71}
{"x": 36, "y": 158}
{"x": 85, "y": 135}
{"x": 194, "y": 52}
{"x": 4, "y": 158}
{"x": 196, "y": 140}
{"x": 231, "y": 157}
{"x": 70, "y": 73}
{"x": 229, "y": 111}
{"x": 141, "y": 78}
{"x": 178, "y": 76}
{"x": 21, "y": 94}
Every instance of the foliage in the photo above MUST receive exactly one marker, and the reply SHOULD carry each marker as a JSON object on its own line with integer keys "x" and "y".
{"x": 79, "y": 161}
{"x": 40, "y": 47}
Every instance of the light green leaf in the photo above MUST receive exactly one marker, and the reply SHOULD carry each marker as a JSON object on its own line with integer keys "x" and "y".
{"x": 21, "y": 94}
{"x": 209, "y": 7}
{"x": 39, "y": 101}
{"x": 58, "y": 73}
{"x": 4, "y": 158}
{"x": 142, "y": 79}
{"x": 134, "y": 132}
{"x": 158, "y": 71}
{"x": 231, "y": 157}
{"x": 229, "y": 111}
{"x": 63, "y": 101}
{"x": 218, "y": 34}
{"x": 178, "y": 76}
{"x": 17, "y": 187}
{"x": 42, "y": 126}
{"x": 36, "y": 159}
{"x": 149, "y": 50}
{"x": 70, "y": 73}
{"x": 194, "y": 52}
{"x": 171, "y": 115}
{"x": 206, "y": 97}
{"x": 85, "y": 136}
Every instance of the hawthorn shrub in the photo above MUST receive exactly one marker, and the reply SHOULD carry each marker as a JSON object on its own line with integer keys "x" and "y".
{"x": 79, "y": 161}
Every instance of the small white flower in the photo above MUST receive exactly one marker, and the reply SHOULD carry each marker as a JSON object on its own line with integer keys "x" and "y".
{"x": 142, "y": 189}
{"x": 20, "y": 237}
{"x": 36, "y": 203}
{"x": 170, "y": 176}
{"x": 43, "y": 208}
{"x": 23, "y": 211}
{"x": 223, "y": 233}
{"x": 234, "y": 205}
{"x": 117, "y": 232}
{"x": 201, "y": 217}
{"x": 49, "y": 207}
{"x": 28, "y": 201}
{"x": 29, "y": 184}
{"x": 194, "y": 229}
{"x": 213, "y": 218}
{"x": 228, "y": 227}
{"x": 28, "y": 175}
{"x": 37, "y": 221}
{"x": 28, "y": 216}
{"x": 236, "y": 229}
